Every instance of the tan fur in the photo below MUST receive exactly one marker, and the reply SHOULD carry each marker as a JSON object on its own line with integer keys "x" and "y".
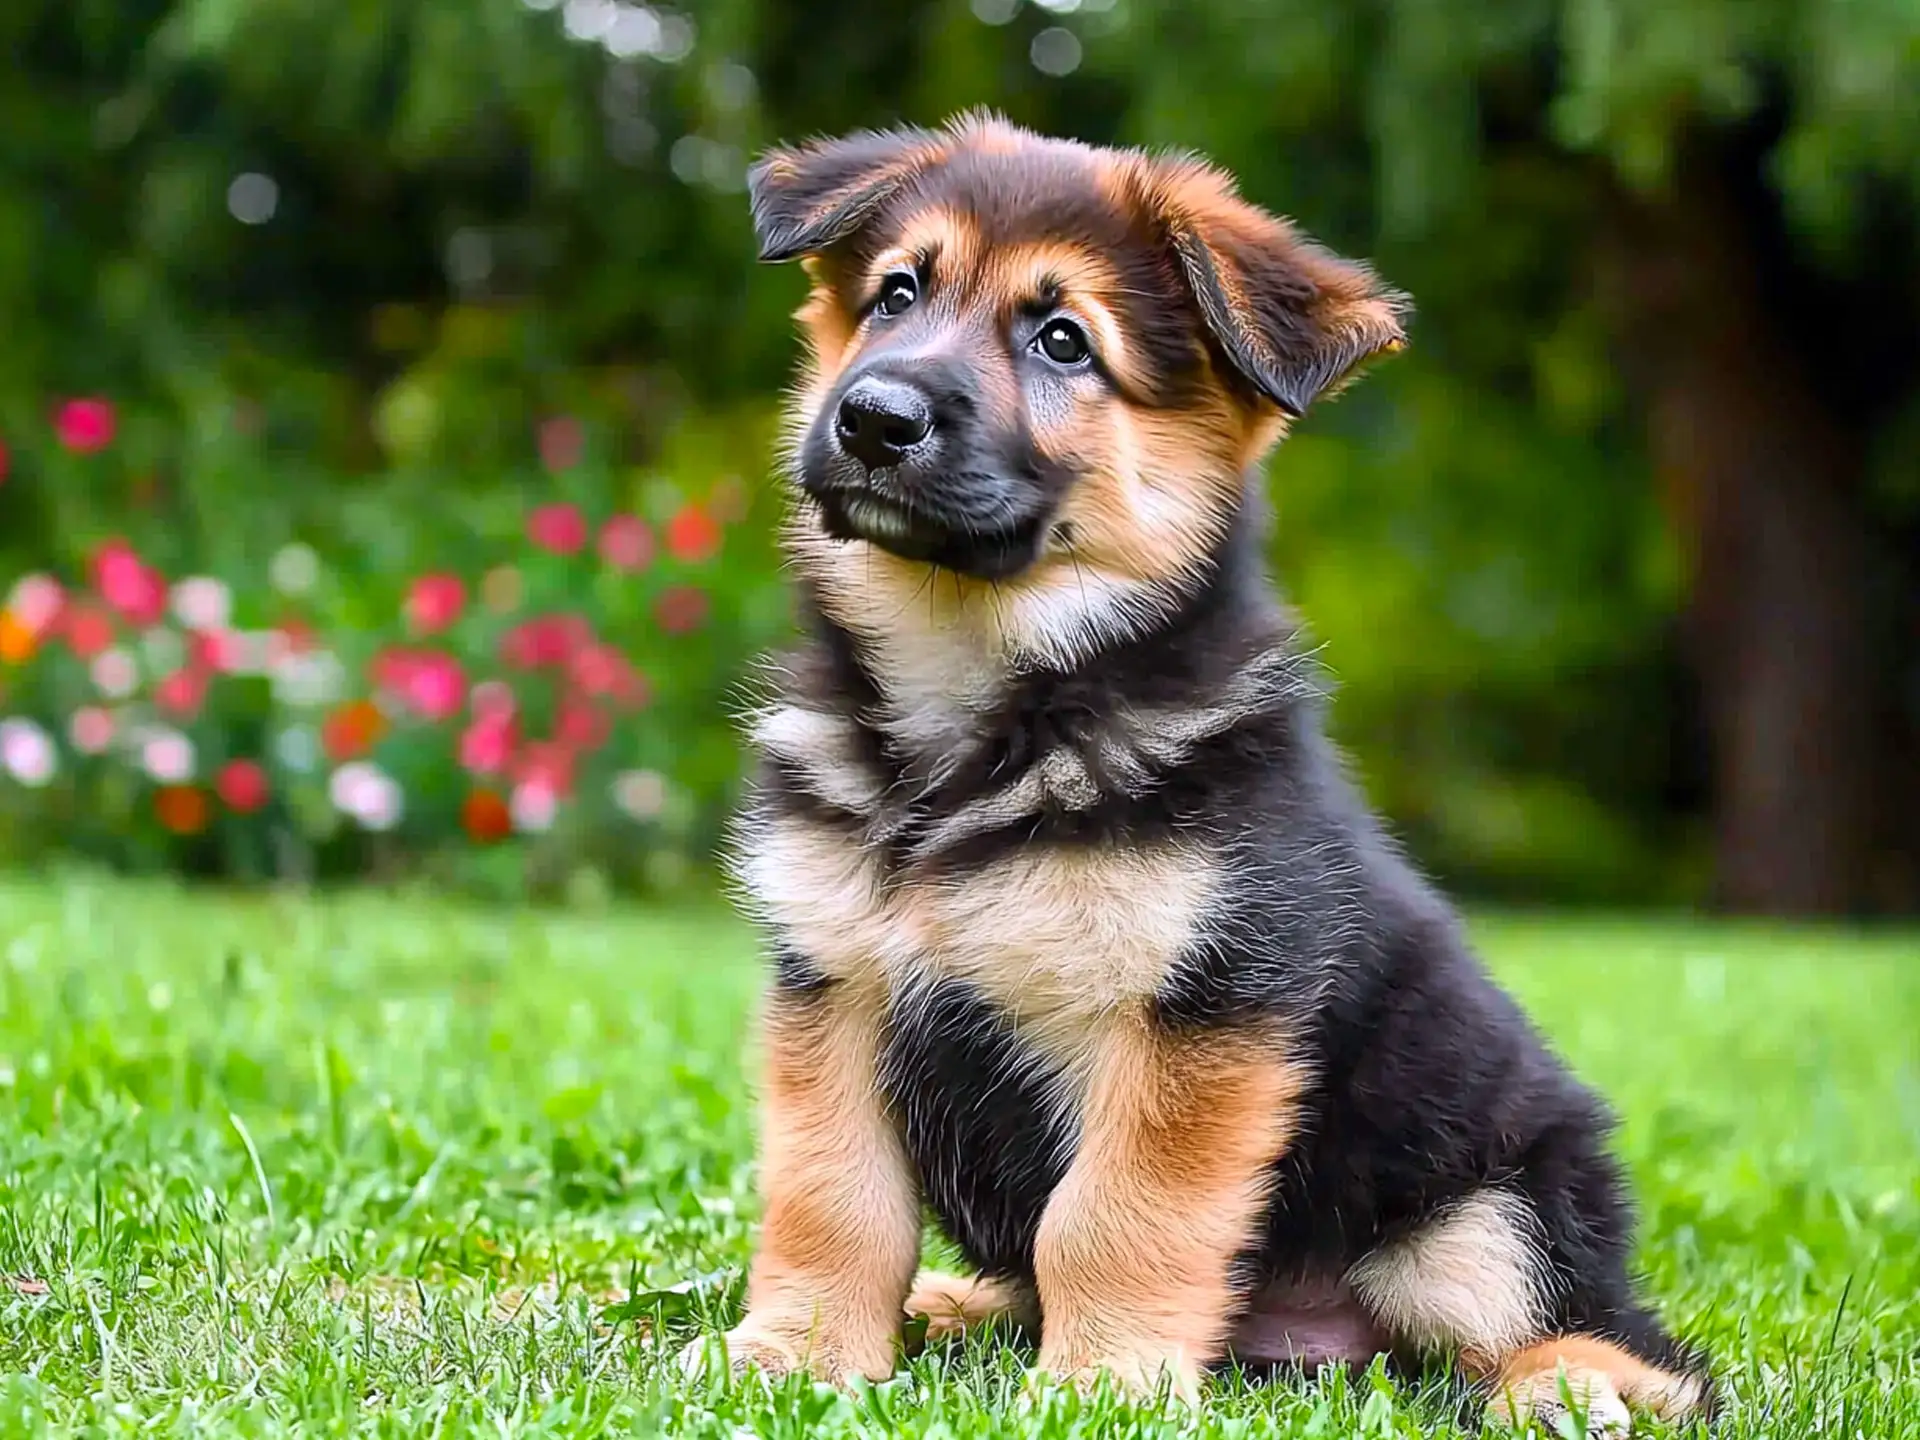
{"x": 1177, "y": 1137}
{"x": 1471, "y": 1279}
{"x": 954, "y": 1304}
{"x": 842, "y": 1226}
{"x": 1059, "y": 939}
{"x": 1601, "y": 1376}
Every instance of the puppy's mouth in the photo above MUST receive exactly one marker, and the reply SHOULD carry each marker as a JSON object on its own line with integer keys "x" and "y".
{"x": 921, "y": 534}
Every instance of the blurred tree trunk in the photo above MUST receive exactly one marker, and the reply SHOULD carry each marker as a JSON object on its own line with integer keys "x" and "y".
{"x": 1763, "y": 485}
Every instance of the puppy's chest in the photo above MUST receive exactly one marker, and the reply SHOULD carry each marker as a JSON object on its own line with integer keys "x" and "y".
{"x": 1053, "y": 937}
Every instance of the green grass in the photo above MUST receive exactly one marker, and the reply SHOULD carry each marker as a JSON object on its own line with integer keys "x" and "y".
{"x": 387, "y": 1166}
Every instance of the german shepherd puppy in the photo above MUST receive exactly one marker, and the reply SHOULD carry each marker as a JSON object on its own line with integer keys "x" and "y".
{"x": 1079, "y": 935}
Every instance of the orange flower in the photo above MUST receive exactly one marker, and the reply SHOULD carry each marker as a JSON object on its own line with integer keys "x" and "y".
{"x": 485, "y": 817}
{"x": 352, "y": 730}
{"x": 181, "y": 809}
{"x": 16, "y": 640}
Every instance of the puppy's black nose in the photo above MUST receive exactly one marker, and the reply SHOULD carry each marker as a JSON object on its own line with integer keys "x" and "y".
{"x": 881, "y": 420}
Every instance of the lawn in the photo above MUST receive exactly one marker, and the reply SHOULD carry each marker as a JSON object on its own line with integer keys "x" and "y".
{"x": 378, "y": 1165}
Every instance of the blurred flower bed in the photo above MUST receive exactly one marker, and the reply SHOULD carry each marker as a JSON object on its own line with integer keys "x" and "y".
{"x": 517, "y": 682}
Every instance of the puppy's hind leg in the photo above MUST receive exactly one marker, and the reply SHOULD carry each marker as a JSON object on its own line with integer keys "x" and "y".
{"x": 953, "y": 1304}
{"x": 1483, "y": 1280}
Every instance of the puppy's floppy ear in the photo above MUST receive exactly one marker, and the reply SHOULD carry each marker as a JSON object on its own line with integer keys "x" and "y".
{"x": 1293, "y": 319}
{"x": 806, "y": 197}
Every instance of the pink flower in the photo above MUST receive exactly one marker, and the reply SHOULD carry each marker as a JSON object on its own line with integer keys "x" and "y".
{"x": 533, "y": 807}
{"x": 435, "y": 602}
{"x": 227, "y": 652}
{"x": 114, "y": 673}
{"x": 35, "y": 602}
{"x": 548, "y": 764}
{"x": 580, "y": 724}
{"x": 599, "y": 669}
{"x": 182, "y": 693}
{"x": 241, "y": 786}
{"x": 487, "y": 744}
{"x": 201, "y": 602}
{"x": 128, "y": 584}
{"x": 492, "y": 697}
{"x": 626, "y": 543}
{"x": 435, "y": 686}
{"x": 91, "y": 729}
{"x": 562, "y": 441}
{"x": 544, "y": 640}
{"x": 89, "y": 630}
{"x": 561, "y": 529}
{"x": 85, "y": 426}
{"x": 167, "y": 756}
{"x": 6, "y": 462}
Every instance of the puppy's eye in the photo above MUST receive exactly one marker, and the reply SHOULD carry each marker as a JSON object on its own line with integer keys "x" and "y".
{"x": 897, "y": 294}
{"x": 1064, "y": 343}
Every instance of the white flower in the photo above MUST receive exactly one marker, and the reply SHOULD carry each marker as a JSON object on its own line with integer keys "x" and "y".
{"x": 297, "y": 748}
{"x": 27, "y": 753}
{"x": 533, "y": 807}
{"x": 34, "y": 601}
{"x": 167, "y": 756}
{"x": 114, "y": 673}
{"x": 313, "y": 677}
{"x": 294, "y": 570}
{"x": 366, "y": 793}
{"x": 642, "y": 794}
{"x": 200, "y": 602}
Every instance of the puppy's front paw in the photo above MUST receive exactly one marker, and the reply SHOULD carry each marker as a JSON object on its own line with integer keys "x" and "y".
{"x": 1140, "y": 1375}
{"x": 777, "y": 1350}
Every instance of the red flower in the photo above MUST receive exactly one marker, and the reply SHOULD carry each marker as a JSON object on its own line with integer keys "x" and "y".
{"x": 6, "y": 462}
{"x": 562, "y": 441}
{"x": 484, "y": 816}
{"x": 580, "y": 724}
{"x": 680, "y": 609}
{"x": 181, "y": 809}
{"x": 693, "y": 535}
{"x": 561, "y": 529}
{"x": 85, "y": 426}
{"x": 487, "y": 744}
{"x": 89, "y": 629}
{"x": 241, "y": 786}
{"x": 352, "y": 730}
{"x": 129, "y": 585}
{"x": 544, "y": 640}
{"x": 435, "y": 602}
{"x": 182, "y": 693}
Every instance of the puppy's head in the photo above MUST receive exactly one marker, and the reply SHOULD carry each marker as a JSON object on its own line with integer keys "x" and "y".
{"x": 1033, "y": 359}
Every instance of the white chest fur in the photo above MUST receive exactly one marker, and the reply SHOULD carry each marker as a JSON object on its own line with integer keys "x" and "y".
{"x": 1058, "y": 938}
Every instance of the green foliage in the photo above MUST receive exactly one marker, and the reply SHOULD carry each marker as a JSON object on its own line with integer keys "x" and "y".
{"x": 383, "y": 1166}
{"x": 482, "y": 213}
